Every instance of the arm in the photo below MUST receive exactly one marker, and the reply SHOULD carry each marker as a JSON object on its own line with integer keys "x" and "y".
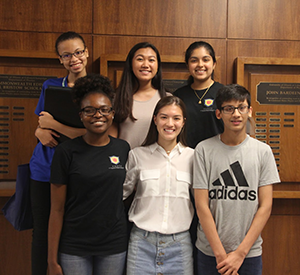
{"x": 131, "y": 176}
{"x": 46, "y": 137}
{"x": 58, "y": 198}
{"x": 47, "y": 121}
{"x": 236, "y": 258}
{"x": 208, "y": 224}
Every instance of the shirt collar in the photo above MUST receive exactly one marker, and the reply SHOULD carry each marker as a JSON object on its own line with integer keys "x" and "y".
{"x": 155, "y": 146}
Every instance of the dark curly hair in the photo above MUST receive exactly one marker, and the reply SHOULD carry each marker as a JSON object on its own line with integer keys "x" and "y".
{"x": 92, "y": 83}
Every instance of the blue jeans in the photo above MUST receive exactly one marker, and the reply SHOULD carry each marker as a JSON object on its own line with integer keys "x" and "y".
{"x": 92, "y": 265}
{"x": 155, "y": 253}
{"x": 207, "y": 265}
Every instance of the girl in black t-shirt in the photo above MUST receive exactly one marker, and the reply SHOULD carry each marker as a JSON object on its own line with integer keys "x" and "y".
{"x": 87, "y": 226}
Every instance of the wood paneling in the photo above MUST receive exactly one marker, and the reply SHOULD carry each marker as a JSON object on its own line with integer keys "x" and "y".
{"x": 177, "y": 18}
{"x": 264, "y": 19}
{"x": 253, "y": 48}
{"x": 46, "y": 15}
{"x": 252, "y": 72}
{"x": 281, "y": 248}
{"x": 15, "y": 247}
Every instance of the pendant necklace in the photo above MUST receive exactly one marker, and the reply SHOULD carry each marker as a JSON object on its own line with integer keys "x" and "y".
{"x": 200, "y": 98}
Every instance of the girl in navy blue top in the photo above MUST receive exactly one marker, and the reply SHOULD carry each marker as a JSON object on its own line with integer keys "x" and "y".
{"x": 72, "y": 53}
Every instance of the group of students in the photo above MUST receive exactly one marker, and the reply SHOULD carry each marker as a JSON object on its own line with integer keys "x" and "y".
{"x": 164, "y": 148}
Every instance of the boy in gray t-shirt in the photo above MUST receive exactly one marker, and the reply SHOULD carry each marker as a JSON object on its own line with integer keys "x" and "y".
{"x": 233, "y": 177}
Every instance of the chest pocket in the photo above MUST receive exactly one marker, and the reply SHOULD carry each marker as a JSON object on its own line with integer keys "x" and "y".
{"x": 149, "y": 183}
{"x": 184, "y": 182}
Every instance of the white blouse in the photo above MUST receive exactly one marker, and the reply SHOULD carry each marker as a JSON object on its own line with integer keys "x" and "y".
{"x": 162, "y": 200}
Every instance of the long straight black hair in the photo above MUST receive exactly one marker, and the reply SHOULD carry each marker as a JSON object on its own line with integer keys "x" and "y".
{"x": 129, "y": 84}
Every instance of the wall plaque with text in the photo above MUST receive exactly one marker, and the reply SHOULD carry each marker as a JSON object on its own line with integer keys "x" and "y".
{"x": 172, "y": 85}
{"x": 278, "y": 93}
{"x": 21, "y": 86}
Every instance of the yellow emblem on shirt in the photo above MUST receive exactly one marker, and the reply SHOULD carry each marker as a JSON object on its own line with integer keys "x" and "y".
{"x": 114, "y": 160}
{"x": 208, "y": 102}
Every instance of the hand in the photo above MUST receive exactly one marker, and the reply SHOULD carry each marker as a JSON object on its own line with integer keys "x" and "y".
{"x": 231, "y": 264}
{"x": 45, "y": 120}
{"x": 46, "y": 137}
{"x": 55, "y": 269}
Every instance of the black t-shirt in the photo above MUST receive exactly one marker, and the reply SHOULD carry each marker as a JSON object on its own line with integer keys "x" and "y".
{"x": 94, "y": 221}
{"x": 202, "y": 122}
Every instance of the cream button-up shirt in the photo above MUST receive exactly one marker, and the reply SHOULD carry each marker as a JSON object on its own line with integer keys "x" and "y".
{"x": 162, "y": 200}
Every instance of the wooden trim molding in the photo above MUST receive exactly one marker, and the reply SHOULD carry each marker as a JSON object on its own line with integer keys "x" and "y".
{"x": 242, "y": 61}
{"x": 28, "y": 54}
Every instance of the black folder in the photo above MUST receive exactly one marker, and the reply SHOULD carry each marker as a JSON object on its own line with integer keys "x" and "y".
{"x": 59, "y": 103}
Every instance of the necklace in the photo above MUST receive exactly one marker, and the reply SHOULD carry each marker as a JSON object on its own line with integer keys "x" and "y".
{"x": 169, "y": 151}
{"x": 200, "y": 98}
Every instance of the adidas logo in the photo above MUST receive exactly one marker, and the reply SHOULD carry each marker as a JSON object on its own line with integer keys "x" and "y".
{"x": 230, "y": 190}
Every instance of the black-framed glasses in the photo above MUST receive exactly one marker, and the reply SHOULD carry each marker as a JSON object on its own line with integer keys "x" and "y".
{"x": 91, "y": 111}
{"x": 228, "y": 109}
{"x": 68, "y": 56}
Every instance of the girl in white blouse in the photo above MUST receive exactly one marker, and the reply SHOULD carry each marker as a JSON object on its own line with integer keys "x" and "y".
{"x": 161, "y": 172}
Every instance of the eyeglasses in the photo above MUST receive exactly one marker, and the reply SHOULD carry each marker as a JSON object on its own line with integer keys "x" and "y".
{"x": 91, "y": 111}
{"x": 243, "y": 109}
{"x": 68, "y": 56}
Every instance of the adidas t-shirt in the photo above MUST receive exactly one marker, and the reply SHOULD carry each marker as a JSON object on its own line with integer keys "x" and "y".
{"x": 232, "y": 174}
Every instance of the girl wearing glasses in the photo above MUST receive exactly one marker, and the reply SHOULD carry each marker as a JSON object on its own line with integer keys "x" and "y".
{"x": 72, "y": 53}
{"x": 87, "y": 226}
{"x": 161, "y": 172}
{"x": 139, "y": 90}
{"x": 200, "y": 93}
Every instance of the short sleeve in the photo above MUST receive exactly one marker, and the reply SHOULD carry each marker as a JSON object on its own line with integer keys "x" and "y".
{"x": 269, "y": 173}
{"x": 200, "y": 180}
{"x": 60, "y": 166}
{"x": 131, "y": 175}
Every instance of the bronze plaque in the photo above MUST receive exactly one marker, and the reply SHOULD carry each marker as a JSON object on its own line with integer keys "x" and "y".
{"x": 278, "y": 93}
{"x": 21, "y": 86}
{"x": 172, "y": 85}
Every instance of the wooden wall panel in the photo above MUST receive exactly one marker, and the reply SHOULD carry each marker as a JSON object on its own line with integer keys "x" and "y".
{"x": 264, "y": 19}
{"x": 46, "y": 15}
{"x": 166, "y": 46}
{"x": 202, "y": 18}
{"x": 15, "y": 247}
{"x": 256, "y": 28}
{"x": 255, "y": 48}
{"x": 281, "y": 238}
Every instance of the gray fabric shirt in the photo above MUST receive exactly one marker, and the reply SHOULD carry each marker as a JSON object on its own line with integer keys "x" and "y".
{"x": 135, "y": 132}
{"x": 232, "y": 175}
